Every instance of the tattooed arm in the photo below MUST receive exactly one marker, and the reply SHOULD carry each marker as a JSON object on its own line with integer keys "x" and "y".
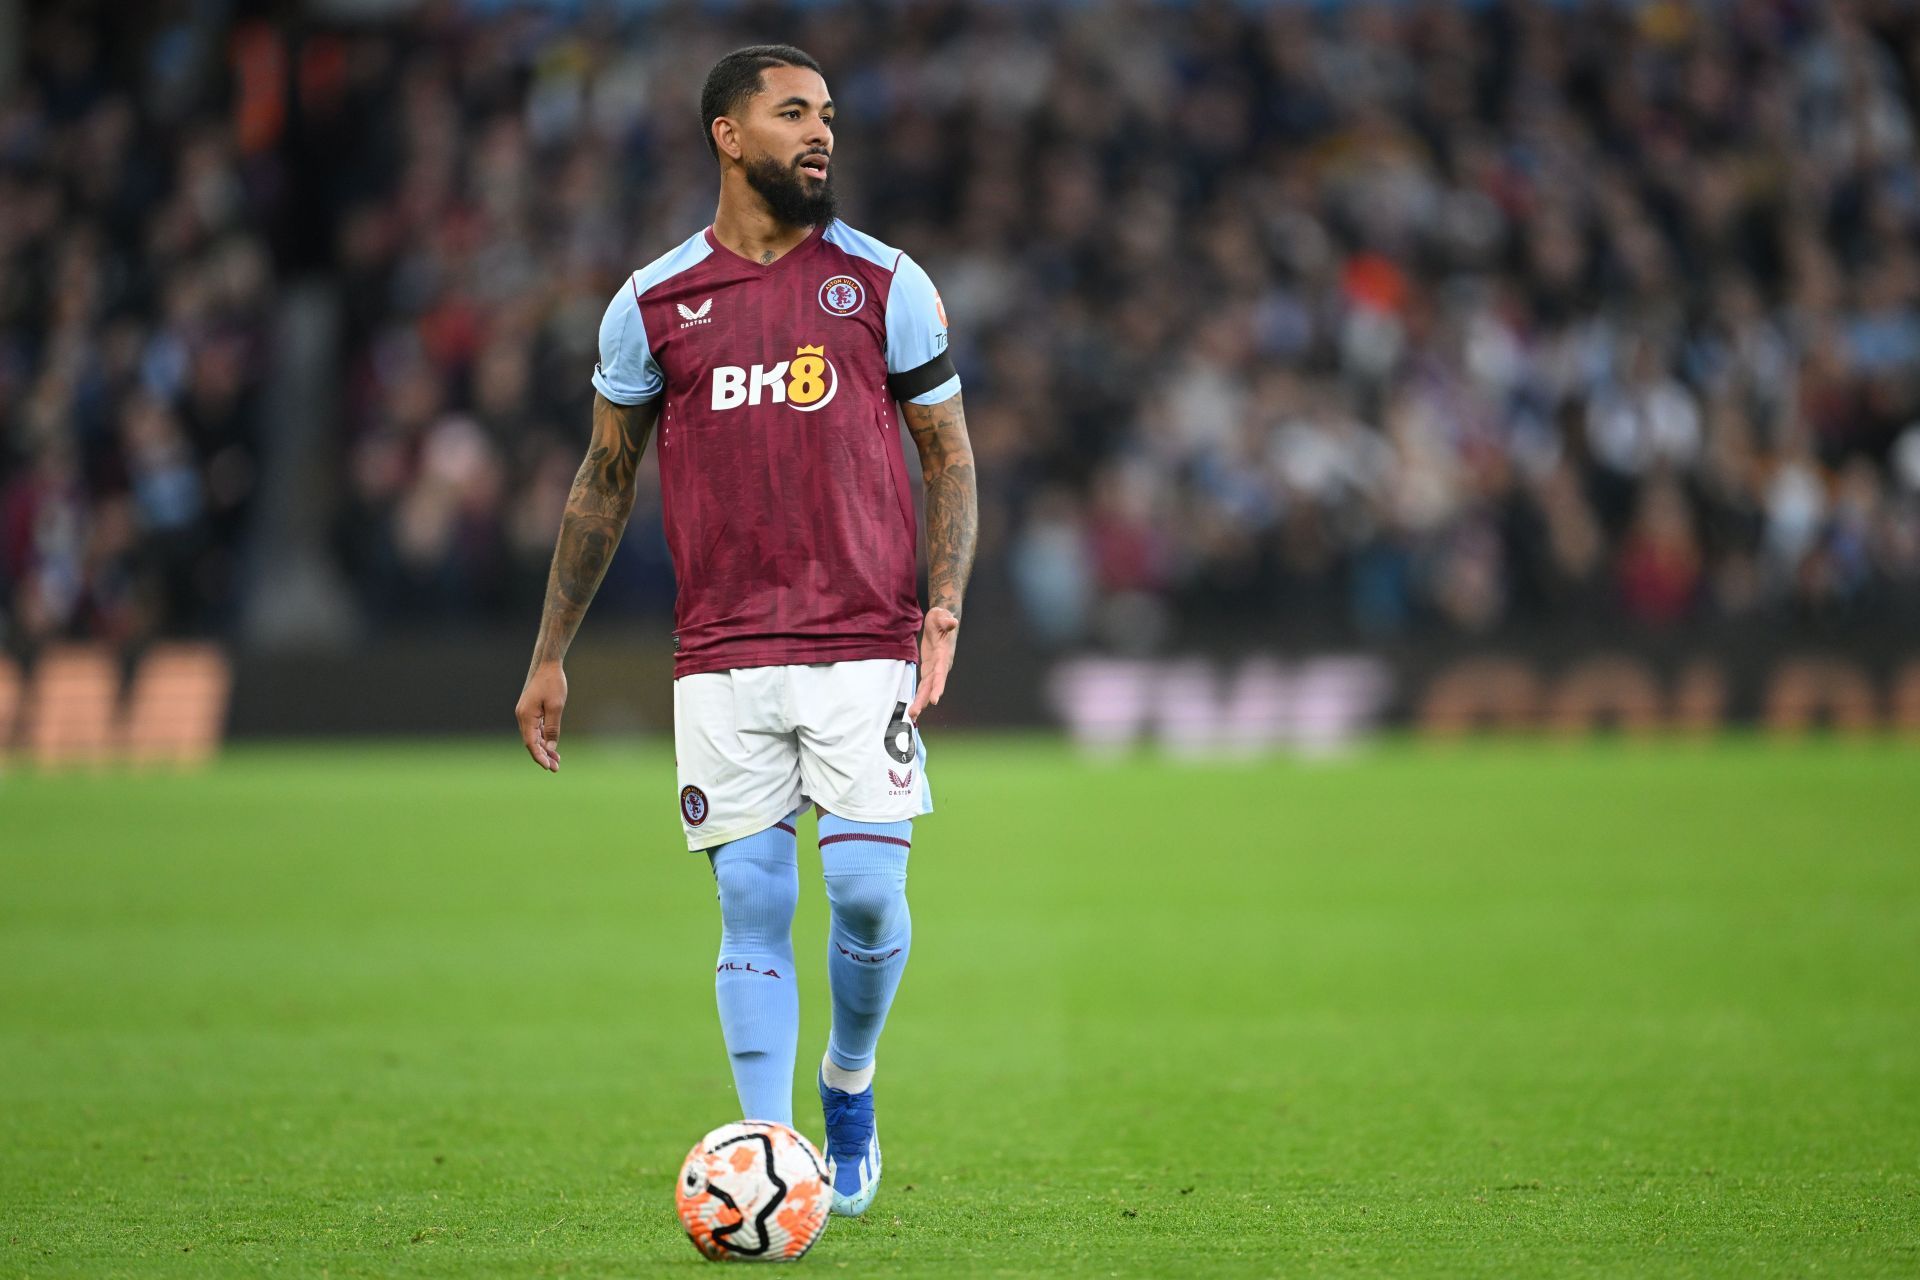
{"x": 953, "y": 527}
{"x": 597, "y": 511}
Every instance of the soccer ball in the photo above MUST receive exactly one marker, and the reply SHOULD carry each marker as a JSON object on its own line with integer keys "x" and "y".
{"x": 753, "y": 1192}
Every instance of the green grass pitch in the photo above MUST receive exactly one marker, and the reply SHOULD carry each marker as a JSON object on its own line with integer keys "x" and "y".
{"x": 1520, "y": 1010}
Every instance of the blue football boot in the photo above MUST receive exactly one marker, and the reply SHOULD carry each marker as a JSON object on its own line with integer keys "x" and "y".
{"x": 853, "y": 1148}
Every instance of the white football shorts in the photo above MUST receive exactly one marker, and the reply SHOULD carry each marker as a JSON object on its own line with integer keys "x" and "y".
{"x": 754, "y": 744}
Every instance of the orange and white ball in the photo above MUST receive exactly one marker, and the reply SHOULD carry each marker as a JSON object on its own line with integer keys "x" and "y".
{"x": 753, "y": 1192}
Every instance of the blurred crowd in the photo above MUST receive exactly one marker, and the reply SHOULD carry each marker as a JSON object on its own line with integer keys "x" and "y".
{"x": 1393, "y": 315}
{"x": 134, "y": 282}
{"x": 1380, "y": 317}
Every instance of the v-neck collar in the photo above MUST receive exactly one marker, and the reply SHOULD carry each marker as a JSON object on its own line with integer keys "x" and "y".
{"x": 767, "y": 267}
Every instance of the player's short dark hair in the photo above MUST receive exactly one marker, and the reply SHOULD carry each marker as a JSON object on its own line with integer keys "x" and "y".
{"x": 736, "y": 77}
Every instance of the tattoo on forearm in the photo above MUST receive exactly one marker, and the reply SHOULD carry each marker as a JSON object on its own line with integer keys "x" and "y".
{"x": 596, "y": 515}
{"x": 580, "y": 560}
{"x": 953, "y": 504}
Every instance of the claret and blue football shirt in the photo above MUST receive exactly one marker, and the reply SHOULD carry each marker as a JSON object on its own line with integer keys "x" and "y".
{"x": 788, "y": 508}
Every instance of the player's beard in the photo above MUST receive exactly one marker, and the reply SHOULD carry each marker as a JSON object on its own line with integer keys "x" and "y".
{"x": 793, "y": 199}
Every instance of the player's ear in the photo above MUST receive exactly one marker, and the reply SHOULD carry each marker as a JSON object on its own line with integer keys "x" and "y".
{"x": 726, "y": 136}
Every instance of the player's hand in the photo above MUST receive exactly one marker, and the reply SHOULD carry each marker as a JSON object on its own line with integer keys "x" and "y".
{"x": 538, "y": 711}
{"x": 938, "y": 637}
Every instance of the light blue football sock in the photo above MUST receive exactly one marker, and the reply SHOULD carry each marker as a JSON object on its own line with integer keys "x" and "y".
{"x": 866, "y": 871}
{"x": 759, "y": 882}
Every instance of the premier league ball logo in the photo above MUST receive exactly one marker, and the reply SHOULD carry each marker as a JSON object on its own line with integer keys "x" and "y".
{"x": 842, "y": 296}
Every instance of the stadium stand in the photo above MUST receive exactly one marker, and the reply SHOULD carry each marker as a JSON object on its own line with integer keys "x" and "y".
{"x": 1415, "y": 318}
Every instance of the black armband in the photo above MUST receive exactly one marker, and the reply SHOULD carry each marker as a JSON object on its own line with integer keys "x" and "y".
{"x": 917, "y": 382}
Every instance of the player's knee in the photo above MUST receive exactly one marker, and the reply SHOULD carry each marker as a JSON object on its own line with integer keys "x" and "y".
{"x": 757, "y": 898}
{"x": 870, "y": 908}
{"x": 866, "y": 872}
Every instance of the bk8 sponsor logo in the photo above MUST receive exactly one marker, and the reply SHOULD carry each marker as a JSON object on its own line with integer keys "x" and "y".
{"x": 806, "y": 382}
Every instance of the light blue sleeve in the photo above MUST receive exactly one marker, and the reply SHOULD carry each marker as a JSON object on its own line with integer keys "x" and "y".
{"x": 916, "y": 328}
{"x": 627, "y": 372}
